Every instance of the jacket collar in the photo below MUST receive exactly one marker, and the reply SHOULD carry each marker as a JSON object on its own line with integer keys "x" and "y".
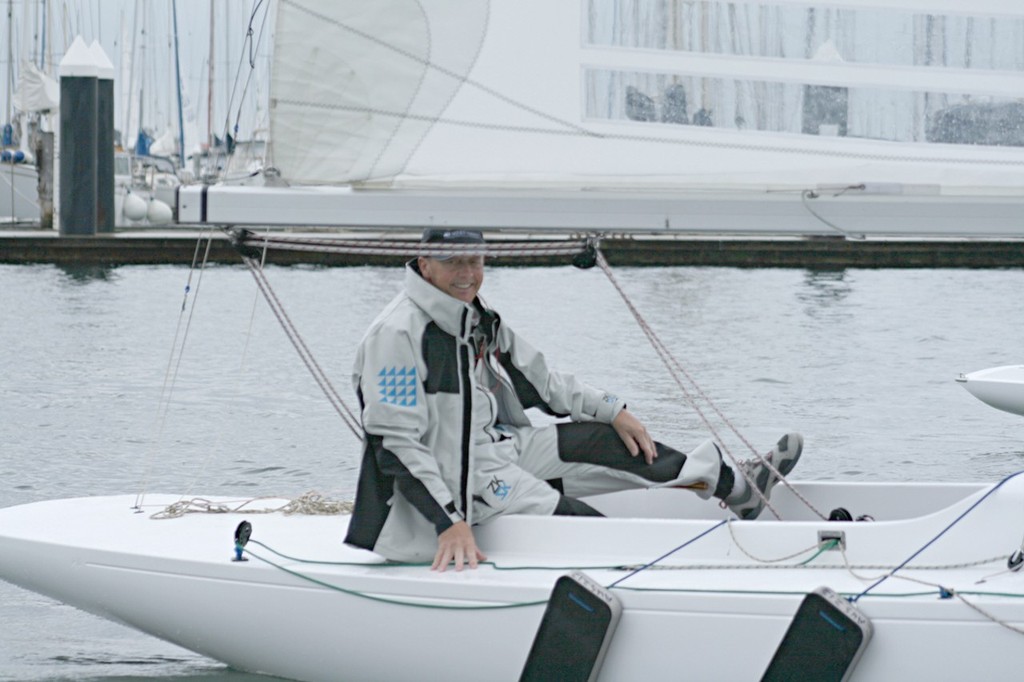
{"x": 451, "y": 315}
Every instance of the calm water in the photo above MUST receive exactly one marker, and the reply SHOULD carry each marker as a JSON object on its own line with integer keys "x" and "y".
{"x": 861, "y": 361}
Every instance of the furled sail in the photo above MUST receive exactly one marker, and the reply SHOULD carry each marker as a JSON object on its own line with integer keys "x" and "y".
{"x": 36, "y": 91}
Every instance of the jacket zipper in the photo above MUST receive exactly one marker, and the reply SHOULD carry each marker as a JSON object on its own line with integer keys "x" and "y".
{"x": 467, "y": 419}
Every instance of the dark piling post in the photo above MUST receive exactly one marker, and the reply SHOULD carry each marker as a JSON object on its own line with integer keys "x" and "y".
{"x": 78, "y": 145}
{"x": 105, "y": 212}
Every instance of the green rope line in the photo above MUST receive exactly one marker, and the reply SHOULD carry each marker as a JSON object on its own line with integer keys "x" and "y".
{"x": 396, "y": 602}
{"x": 415, "y": 564}
{"x": 514, "y": 605}
{"x": 825, "y": 547}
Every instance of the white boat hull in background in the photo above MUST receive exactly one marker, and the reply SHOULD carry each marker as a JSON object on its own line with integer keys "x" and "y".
{"x": 396, "y": 141}
{"x": 19, "y": 193}
{"x": 1000, "y": 387}
{"x": 682, "y": 210}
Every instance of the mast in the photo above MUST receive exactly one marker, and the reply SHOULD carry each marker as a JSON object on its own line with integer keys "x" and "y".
{"x": 42, "y": 37}
{"x": 35, "y": 30}
{"x": 177, "y": 71}
{"x": 8, "y": 131}
{"x": 209, "y": 86}
{"x": 140, "y": 131}
{"x": 10, "y": 63}
{"x": 130, "y": 99}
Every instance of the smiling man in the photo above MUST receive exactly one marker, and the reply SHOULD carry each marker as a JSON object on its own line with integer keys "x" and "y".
{"x": 444, "y": 386}
{"x": 458, "y": 276}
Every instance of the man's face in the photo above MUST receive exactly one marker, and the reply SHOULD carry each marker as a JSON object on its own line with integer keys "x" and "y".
{"x": 460, "y": 277}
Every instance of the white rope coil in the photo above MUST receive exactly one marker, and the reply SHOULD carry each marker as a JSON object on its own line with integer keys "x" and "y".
{"x": 311, "y": 504}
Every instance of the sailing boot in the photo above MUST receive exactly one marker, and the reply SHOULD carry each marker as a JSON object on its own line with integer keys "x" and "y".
{"x": 747, "y": 504}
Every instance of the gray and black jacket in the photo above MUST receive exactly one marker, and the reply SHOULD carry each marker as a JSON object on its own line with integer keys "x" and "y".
{"x": 430, "y": 423}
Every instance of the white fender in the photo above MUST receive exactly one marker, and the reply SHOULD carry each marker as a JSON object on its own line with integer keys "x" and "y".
{"x": 159, "y": 213}
{"x": 134, "y": 207}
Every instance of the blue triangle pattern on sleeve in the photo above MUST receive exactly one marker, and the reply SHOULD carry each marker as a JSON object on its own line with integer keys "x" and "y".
{"x": 397, "y": 386}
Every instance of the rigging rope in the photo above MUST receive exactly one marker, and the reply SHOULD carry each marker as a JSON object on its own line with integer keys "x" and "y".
{"x": 216, "y": 445}
{"x": 249, "y": 48}
{"x": 648, "y": 565}
{"x": 173, "y": 367}
{"x": 935, "y": 539}
{"x": 171, "y": 380}
{"x": 305, "y": 354}
{"x": 808, "y": 194}
{"x": 674, "y": 370}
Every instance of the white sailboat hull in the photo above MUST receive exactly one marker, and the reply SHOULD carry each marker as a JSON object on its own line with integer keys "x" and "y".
{"x": 681, "y": 211}
{"x": 19, "y": 193}
{"x": 710, "y": 612}
{"x": 1000, "y": 387}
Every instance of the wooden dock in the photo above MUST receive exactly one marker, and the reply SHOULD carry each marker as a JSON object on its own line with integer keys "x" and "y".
{"x": 182, "y": 245}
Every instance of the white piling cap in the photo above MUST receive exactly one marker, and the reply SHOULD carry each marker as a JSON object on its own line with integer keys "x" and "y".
{"x": 104, "y": 67}
{"x": 78, "y": 61}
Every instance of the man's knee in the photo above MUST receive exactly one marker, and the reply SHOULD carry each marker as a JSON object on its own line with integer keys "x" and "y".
{"x": 590, "y": 443}
{"x": 595, "y": 443}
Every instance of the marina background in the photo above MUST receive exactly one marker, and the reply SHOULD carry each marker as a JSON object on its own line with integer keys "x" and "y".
{"x": 862, "y": 361}
{"x": 138, "y": 37}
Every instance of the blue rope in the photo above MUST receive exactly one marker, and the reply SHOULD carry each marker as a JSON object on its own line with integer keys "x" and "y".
{"x": 669, "y": 553}
{"x": 934, "y": 539}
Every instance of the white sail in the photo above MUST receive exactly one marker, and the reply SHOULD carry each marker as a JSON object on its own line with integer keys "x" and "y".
{"x": 36, "y": 91}
{"x": 356, "y": 85}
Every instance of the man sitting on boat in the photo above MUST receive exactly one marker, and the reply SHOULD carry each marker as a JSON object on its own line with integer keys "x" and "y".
{"x": 444, "y": 386}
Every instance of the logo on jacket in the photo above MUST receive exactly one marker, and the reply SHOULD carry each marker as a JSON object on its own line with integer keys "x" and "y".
{"x": 499, "y": 488}
{"x": 397, "y": 386}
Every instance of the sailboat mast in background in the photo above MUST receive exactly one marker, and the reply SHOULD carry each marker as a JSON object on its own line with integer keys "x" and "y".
{"x": 177, "y": 75}
{"x": 209, "y": 84}
{"x": 10, "y": 72}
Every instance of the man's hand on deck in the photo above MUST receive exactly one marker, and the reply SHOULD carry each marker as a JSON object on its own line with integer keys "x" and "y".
{"x": 457, "y": 544}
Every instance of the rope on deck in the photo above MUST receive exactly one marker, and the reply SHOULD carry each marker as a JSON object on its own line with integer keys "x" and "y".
{"x": 311, "y": 503}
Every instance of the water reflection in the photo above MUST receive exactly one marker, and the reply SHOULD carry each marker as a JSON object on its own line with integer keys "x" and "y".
{"x": 85, "y": 274}
{"x": 824, "y": 291}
